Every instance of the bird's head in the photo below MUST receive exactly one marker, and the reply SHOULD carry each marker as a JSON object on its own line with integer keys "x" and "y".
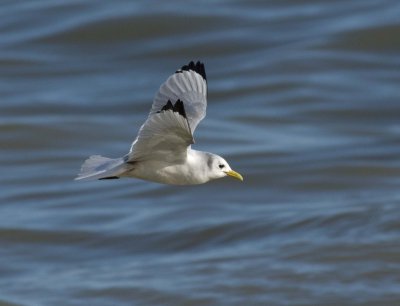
{"x": 219, "y": 167}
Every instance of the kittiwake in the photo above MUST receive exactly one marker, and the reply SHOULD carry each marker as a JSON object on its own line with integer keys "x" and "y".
{"x": 162, "y": 150}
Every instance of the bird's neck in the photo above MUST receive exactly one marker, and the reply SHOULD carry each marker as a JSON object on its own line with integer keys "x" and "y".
{"x": 197, "y": 164}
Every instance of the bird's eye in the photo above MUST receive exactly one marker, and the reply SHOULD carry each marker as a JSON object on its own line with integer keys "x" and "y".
{"x": 221, "y": 166}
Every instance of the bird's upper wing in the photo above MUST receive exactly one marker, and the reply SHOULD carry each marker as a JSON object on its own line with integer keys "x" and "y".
{"x": 189, "y": 84}
{"x": 178, "y": 107}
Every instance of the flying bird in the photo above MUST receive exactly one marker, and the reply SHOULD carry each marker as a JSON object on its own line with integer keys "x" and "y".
{"x": 162, "y": 150}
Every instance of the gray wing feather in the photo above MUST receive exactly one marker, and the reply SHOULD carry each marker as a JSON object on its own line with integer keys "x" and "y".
{"x": 188, "y": 86}
{"x": 166, "y": 134}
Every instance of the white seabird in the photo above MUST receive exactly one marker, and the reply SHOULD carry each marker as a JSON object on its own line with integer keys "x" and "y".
{"x": 162, "y": 150}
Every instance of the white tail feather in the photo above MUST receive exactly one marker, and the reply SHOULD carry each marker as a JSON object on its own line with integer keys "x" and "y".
{"x": 97, "y": 167}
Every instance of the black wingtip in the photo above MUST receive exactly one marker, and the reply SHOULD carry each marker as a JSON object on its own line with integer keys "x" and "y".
{"x": 109, "y": 178}
{"x": 178, "y": 107}
{"x": 197, "y": 67}
{"x": 167, "y": 106}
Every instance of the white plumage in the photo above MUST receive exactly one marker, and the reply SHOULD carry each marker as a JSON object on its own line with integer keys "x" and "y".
{"x": 162, "y": 149}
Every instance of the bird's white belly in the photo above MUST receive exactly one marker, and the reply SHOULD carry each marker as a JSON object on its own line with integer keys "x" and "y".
{"x": 176, "y": 174}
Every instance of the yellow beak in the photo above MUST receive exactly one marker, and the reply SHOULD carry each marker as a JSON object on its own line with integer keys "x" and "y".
{"x": 234, "y": 174}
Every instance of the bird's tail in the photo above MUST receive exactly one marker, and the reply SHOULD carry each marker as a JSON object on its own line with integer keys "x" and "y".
{"x": 97, "y": 167}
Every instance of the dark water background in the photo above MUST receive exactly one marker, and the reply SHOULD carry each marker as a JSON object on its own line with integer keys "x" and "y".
{"x": 303, "y": 101}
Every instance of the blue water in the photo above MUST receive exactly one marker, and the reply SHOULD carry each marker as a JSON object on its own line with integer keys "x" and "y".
{"x": 303, "y": 101}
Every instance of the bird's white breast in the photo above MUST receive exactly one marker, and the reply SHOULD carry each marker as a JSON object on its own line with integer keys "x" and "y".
{"x": 188, "y": 172}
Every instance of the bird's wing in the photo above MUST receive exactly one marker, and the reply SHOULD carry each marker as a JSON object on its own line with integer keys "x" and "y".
{"x": 189, "y": 84}
{"x": 178, "y": 107}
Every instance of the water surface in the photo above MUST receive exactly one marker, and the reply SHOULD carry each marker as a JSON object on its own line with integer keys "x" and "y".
{"x": 303, "y": 101}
